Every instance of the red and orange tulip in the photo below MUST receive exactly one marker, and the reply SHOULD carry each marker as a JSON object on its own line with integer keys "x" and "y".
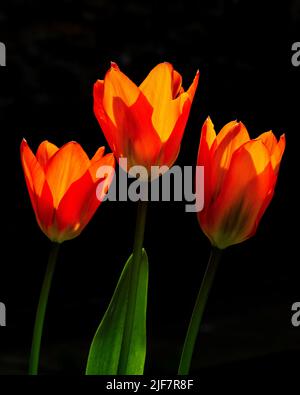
{"x": 240, "y": 177}
{"x": 145, "y": 123}
{"x": 62, "y": 186}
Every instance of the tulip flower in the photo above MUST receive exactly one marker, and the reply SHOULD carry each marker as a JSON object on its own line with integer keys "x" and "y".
{"x": 145, "y": 123}
{"x": 240, "y": 177}
{"x": 62, "y": 186}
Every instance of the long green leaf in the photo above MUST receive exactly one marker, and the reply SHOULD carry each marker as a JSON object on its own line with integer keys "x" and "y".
{"x": 107, "y": 346}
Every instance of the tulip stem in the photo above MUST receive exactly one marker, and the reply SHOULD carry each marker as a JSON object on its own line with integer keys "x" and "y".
{"x": 196, "y": 318}
{"x": 134, "y": 275}
{"x": 41, "y": 310}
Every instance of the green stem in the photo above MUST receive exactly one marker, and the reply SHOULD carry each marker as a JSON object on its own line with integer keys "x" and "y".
{"x": 197, "y": 314}
{"x": 40, "y": 313}
{"x": 134, "y": 275}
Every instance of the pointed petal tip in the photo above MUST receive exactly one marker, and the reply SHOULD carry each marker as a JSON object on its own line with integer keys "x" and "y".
{"x": 197, "y": 76}
{"x": 113, "y": 65}
{"x": 240, "y": 124}
{"x": 208, "y": 121}
{"x": 282, "y": 141}
{"x": 73, "y": 142}
{"x": 110, "y": 159}
{"x": 110, "y": 156}
{"x": 23, "y": 144}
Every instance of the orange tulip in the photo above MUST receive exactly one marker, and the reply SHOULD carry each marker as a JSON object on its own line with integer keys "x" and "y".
{"x": 240, "y": 176}
{"x": 62, "y": 186}
{"x": 145, "y": 123}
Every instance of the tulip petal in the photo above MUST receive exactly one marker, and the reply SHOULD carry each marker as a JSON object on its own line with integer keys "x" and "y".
{"x": 126, "y": 121}
{"x": 171, "y": 147}
{"x": 80, "y": 201}
{"x": 275, "y": 161}
{"x": 39, "y": 192}
{"x": 45, "y": 209}
{"x": 177, "y": 88}
{"x": 76, "y": 207}
{"x": 250, "y": 179}
{"x": 231, "y": 137}
{"x": 269, "y": 140}
{"x": 166, "y": 115}
{"x": 277, "y": 153}
{"x": 107, "y": 126}
{"x": 139, "y": 142}
{"x": 32, "y": 169}
{"x": 107, "y": 161}
{"x": 275, "y": 148}
{"x": 159, "y": 88}
{"x": 207, "y": 138}
{"x": 66, "y": 166}
{"x": 118, "y": 85}
{"x": 44, "y": 152}
{"x": 98, "y": 154}
{"x": 144, "y": 144}
{"x": 192, "y": 89}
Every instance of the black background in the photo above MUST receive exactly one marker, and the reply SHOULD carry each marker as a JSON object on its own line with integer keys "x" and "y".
{"x": 55, "y": 52}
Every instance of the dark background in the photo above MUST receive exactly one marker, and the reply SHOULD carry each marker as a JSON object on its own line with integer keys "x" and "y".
{"x": 55, "y": 52}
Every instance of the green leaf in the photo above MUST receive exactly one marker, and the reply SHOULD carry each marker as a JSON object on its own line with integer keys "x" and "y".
{"x": 108, "y": 353}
